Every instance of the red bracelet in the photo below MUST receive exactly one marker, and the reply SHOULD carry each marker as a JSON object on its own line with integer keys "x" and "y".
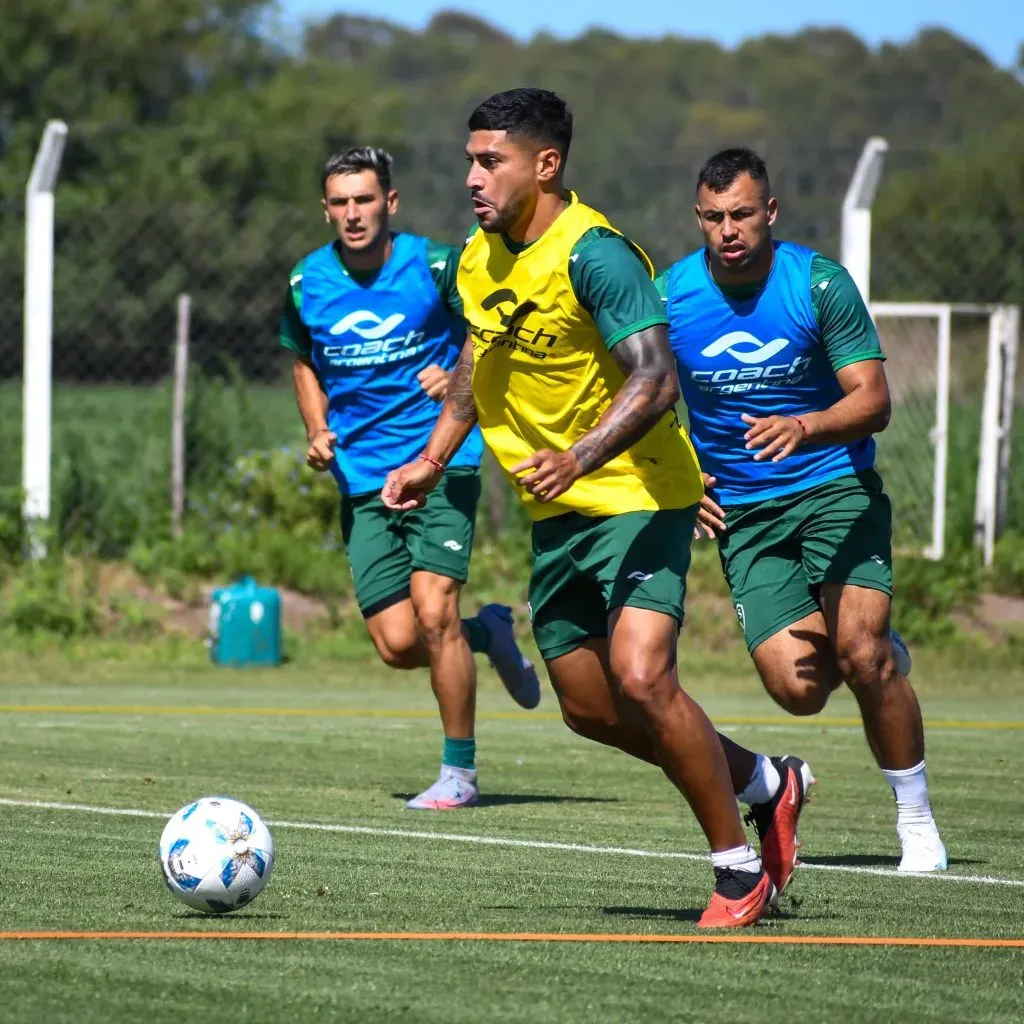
{"x": 439, "y": 466}
{"x": 803, "y": 426}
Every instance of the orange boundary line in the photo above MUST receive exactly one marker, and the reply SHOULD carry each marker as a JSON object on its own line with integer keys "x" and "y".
{"x": 775, "y": 940}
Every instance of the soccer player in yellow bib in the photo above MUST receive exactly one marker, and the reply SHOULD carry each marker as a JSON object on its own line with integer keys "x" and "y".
{"x": 575, "y": 397}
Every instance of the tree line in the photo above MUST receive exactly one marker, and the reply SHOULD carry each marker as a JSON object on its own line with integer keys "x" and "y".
{"x": 198, "y": 129}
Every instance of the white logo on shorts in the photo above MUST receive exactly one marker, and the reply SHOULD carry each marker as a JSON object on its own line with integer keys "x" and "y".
{"x": 742, "y": 616}
{"x": 452, "y": 545}
{"x": 640, "y": 577}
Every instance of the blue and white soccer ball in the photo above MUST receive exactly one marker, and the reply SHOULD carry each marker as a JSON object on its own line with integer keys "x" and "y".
{"x": 216, "y": 854}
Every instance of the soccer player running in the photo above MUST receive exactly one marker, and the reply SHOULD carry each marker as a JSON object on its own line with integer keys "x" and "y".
{"x": 569, "y": 372}
{"x": 781, "y": 371}
{"x": 372, "y": 320}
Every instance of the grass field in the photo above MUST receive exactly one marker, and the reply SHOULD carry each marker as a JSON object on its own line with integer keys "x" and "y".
{"x": 570, "y": 839}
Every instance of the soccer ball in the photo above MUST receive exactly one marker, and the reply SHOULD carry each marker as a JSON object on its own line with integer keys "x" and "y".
{"x": 216, "y": 854}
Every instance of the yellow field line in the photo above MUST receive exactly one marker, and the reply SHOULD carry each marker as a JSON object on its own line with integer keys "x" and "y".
{"x": 734, "y": 938}
{"x": 547, "y": 716}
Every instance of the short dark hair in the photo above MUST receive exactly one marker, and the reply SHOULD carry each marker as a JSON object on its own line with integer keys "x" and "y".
{"x": 721, "y": 170}
{"x": 537, "y": 114}
{"x": 356, "y": 159}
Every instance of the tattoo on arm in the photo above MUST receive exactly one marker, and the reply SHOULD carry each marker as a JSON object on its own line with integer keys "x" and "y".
{"x": 651, "y": 389}
{"x": 460, "y": 387}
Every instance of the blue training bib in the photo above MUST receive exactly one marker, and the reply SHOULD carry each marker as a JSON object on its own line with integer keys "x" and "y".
{"x": 369, "y": 343}
{"x": 762, "y": 356}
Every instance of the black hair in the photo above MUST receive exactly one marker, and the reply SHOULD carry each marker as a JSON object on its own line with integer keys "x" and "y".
{"x": 536, "y": 114}
{"x": 356, "y": 159}
{"x": 721, "y": 170}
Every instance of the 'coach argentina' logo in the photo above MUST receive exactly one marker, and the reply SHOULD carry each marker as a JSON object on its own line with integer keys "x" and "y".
{"x": 745, "y": 347}
{"x": 357, "y": 323}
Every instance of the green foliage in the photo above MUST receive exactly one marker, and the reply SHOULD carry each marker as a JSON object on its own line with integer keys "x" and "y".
{"x": 1007, "y": 573}
{"x": 46, "y": 598}
{"x": 928, "y": 593}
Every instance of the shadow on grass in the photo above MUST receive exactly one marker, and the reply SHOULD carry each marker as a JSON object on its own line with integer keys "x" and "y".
{"x": 511, "y": 799}
{"x": 238, "y": 915}
{"x": 872, "y": 860}
{"x": 789, "y": 911}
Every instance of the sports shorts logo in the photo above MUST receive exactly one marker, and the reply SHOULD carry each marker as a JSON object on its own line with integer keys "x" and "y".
{"x": 640, "y": 577}
{"x": 367, "y": 325}
{"x": 452, "y": 545}
{"x": 741, "y": 614}
{"x": 745, "y": 347}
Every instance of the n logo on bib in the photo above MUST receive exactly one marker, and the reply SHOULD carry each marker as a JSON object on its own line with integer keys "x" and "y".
{"x": 760, "y": 353}
{"x": 355, "y": 322}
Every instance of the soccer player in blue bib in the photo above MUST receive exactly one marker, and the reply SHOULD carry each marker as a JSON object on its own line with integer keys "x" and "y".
{"x": 373, "y": 324}
{"x": 781, "y": 371}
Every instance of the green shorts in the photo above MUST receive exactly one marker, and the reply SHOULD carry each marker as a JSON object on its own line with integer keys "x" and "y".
{"x": 584, "y": 567}
{"x": 384, "y": 547}
{"x": 777, "y": 553}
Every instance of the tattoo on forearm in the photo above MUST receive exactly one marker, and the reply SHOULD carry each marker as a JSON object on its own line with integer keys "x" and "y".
{"x": 651, "y": 388}
{"x": 460, "y": 390}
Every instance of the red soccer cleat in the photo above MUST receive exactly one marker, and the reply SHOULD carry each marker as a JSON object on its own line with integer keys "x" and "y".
{"x": 776, "y": 820}
{"x": 739, "y": 900}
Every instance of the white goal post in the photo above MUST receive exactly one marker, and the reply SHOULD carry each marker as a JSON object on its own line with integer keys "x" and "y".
{"x": 917, "y": 338}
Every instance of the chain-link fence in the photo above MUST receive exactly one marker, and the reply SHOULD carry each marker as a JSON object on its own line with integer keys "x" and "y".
{"x": 120, "y": 267}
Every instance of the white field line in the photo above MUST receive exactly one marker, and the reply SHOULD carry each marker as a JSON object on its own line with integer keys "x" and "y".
{"x": 531, "y": 844}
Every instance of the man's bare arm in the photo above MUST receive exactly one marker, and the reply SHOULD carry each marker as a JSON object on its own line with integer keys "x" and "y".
{"x": 650, "y": 390}
{"x": 458, "y": 413}
{"x": 309, "y": 396}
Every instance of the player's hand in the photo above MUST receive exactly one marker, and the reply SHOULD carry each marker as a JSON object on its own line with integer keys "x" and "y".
{"x": 553, "y": 473}
{"x": 407, "y": 487}
{"x": 710, "y": 517}
{"x": 434, "y": 381}
{"x": 320, "y": 453}
{"x": 776, "y": 436}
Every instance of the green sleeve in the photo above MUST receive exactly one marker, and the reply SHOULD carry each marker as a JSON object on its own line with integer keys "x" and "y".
{"x": 613, "y": 286}
{"x": 661, "y": 283}
{"x": 443, "y": 261}
{"x": 292, "y": 332}
{"x": 847, "y": 332}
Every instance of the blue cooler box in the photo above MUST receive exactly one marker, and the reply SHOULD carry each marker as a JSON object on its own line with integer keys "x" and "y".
{"x": 245, "y": 625}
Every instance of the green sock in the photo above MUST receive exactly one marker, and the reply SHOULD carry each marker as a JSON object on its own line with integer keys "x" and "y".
{"x": 460, "y": 753}
{"x": 478, "y": 635}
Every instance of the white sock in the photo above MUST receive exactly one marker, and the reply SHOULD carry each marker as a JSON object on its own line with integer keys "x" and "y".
{"x": 739, "y": 858}
{"x": 763, "y": 784}
{"x": 910, "y": 787}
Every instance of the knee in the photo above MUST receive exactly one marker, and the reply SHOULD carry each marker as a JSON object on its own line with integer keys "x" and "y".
{"x": 437, "y": 622}
{"x": 398, "y": 651}
{"x": 647, "y": 687}
{"x": 802, "y": 696}
{"x": 866, "y": 662}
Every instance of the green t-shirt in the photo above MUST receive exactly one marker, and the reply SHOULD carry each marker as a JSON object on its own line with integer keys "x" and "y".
{"x": 443, "y": 261}
{"x": 610, "y": 283}
{"x": 847, "y": 331}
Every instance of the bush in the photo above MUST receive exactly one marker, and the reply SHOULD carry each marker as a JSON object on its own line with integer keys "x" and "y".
{"x": 1007, "y": 572}
{"x": 46, "y": 598}
{"x": 927, "y": 593}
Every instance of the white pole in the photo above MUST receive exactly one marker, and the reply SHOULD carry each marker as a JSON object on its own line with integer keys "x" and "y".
{"x": 940, "y": 436}
{"x": 178, "y": 415}
{"x": 856, "y": 227}
{"x": 988, "y": 447}
{"x": 1011, "y": 341}
{"x": 38, "y": 317}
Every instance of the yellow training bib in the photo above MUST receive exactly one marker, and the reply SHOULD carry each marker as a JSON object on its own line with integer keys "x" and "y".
{"x": 543, "y": 377}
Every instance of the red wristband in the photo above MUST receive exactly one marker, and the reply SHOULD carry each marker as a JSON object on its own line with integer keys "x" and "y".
{"x": 803, "y": 426}
{"x": 439, "y": 466}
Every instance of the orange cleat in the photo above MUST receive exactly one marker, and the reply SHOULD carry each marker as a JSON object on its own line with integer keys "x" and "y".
{"x": 739, "y": 900}
{"x": 776, "y": 820}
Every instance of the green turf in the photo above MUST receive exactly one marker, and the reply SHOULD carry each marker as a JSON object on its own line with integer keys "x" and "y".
{"x": 62, "y": 869}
